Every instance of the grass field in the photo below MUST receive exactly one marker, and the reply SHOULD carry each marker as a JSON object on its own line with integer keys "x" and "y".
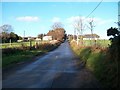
{"x": 100, "y": 42}
{"x": 19, "y": 44}
{"x": 16, "y": 44}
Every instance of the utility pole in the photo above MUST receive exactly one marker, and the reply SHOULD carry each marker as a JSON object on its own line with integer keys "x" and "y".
{"x": 77, "y": 38}
{"x": 74, "y": 33}
{"x": 119, "y": 25}
{"x": 119, "y": 15}
{"x": 10, "y": 42}
{"x": 23, "y": 35}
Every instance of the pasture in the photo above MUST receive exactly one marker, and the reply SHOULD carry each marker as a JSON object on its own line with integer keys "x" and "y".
{"x": 19, "y": 44}
{"x": 99, "y": 43}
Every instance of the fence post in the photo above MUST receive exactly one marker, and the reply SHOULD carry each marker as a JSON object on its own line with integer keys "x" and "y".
{"x": 30, "y": 44}
{"x": 36, "y": 44}
{"x": 10, "y": 42}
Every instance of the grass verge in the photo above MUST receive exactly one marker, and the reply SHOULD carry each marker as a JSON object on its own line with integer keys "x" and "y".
{"x": 11, "y": 56}
{"x": 19, "y": 57}
{"x": 97, "y": 60}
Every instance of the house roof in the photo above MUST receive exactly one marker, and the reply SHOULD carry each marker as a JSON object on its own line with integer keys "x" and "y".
{"x": 91, "y": 36}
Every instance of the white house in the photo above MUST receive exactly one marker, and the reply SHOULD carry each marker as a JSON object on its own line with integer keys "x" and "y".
{"x": 38, "y": 39}
{"x": 47, "y": 38}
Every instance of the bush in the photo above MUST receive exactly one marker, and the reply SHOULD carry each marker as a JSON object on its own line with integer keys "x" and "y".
{"x": 114, "y": 53}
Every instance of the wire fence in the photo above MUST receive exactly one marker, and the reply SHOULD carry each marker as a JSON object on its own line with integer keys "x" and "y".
{"x": 99, "y": 43}
{"x": 20, "y": 44}
{"x": 102, "y": 43}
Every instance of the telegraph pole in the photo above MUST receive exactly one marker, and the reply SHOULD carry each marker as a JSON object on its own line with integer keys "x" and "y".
{"x": 74, "y": 34}
{"x": 119, "y": 15}
{"x": 23, "y": 34}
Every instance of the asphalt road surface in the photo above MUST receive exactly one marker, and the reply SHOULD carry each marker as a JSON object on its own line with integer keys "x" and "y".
{"x": 57, "y": 69}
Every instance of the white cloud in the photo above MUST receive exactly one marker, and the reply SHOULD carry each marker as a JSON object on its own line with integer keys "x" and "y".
{"x": 97, "y": 21}
{"x": 71, "y": 21}
{"x": 55, "y": 19}
{"x": 28, "y": 18}
{"x": 100, "y": 21}
{"x": 74, "y": 18}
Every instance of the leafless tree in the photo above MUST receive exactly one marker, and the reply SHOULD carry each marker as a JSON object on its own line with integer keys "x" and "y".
{"x": 79, "y": 27}
{"x": 5, "y": 31}
{"x": 57, "y": 25}
{"x": 6, "y": 28}
{"x": 91, "y": 26}
{"x": 57, "y": 32}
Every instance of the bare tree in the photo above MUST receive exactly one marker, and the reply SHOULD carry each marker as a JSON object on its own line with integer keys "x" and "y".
{"x": 6, "y": 28}
{"x": 91, "y": 26}
{"x": 5, "y": 31}
{"x": 75, "y": 29}
{"x": 79, "y": 27}
{"x": 57, "y": 25}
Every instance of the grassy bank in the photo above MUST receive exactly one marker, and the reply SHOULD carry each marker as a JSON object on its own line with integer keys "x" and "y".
{"x": 11, "y": 56}
{"x": 97, "y": 60}
{"x": 19, "y": 57}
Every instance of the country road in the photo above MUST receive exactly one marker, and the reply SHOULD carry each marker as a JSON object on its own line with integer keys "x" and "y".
{"x": 57, "y": 69}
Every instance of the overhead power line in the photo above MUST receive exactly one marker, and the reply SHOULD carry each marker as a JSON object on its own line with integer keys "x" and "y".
{"x": 94, "y": 8}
